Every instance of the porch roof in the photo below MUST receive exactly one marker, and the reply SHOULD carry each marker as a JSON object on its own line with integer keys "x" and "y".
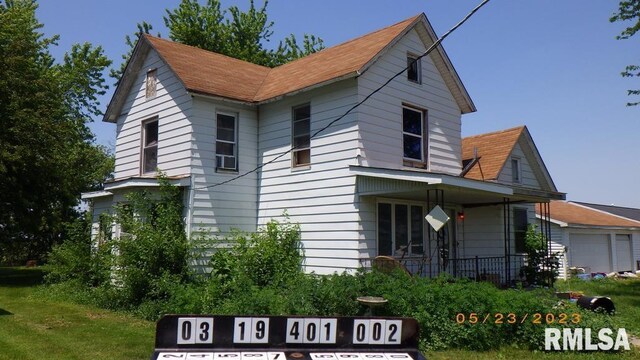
{"x": 411, "y": 184}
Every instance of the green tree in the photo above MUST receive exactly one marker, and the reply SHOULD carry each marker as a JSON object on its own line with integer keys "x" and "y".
{"x": 242, "y": 35}
{"x": 47, "y": 152}
{"x": 629, "y": 10}
{"x": 232, "y": 32}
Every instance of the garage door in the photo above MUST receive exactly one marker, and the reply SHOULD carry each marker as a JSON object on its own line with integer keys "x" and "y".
{"x": 623, "y": 253}
{"x": 589, "y": 250}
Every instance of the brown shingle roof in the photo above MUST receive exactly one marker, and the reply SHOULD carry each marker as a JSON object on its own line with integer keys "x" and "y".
{"x": 214, "y": 74}
{"x": 210, "y": 73}
{"x": 331, "y": 63}
{"x": 493, "y": 150}
{"x": 573, "y": 214}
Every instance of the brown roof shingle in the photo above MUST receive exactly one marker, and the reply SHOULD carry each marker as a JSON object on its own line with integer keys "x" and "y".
{"x": 210, "y": 73}
{"x": 223, "y": 76}
{"x": 579, "y": 215}
{"x": 493, "y": 150}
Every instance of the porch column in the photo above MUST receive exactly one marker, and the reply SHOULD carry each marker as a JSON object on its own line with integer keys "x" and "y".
{"x": 506, "y": 213}
{"x": 545, "y": 229}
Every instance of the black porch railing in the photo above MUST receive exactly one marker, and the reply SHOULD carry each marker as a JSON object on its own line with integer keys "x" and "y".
{"x": 500, "y": 270}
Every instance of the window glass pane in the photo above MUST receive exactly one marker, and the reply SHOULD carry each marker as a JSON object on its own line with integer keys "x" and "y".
{"x": 384, "y": 229}
{"x": 151, "y": 133}
{"x": 411, "y": 121}
{"x": 402, "y": 229}
{"x": 301, "y": 142}
{"x": 412, "y": 71}
{"x": 226, "y": 134}
{"x": 150, "y": 159}
{"x": 301, "y": 127}
{"x": 302, "y": 112}
{"x": 515, "y": 170}
{"x": 520, "y": 223}
{"x": 223, "y": 148}
{"x": 417, "y": 222}
{"x": 226, "y": 122}
{"x": 412, "y": 147}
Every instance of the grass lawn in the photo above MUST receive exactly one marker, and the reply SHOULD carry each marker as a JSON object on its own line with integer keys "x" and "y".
{"x": 35, "y": 328}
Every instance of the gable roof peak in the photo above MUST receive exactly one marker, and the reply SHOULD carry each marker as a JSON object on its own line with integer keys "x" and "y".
{"x": 212, "y": 74}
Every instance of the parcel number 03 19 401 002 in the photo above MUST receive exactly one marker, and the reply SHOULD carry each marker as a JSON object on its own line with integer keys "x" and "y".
{"x": 255, "y": 330}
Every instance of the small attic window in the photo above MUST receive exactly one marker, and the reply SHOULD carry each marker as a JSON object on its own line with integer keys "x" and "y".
{"x": 516, "y": 171}
{"x": 413, "y": 69}
{"x": 151, "y": 82}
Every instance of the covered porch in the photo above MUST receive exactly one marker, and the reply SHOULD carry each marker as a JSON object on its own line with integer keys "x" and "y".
{"x": 483, "y": 238}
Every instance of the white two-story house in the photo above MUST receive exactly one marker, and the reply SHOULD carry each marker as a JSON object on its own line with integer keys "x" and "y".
{"x": 248, "y": 143}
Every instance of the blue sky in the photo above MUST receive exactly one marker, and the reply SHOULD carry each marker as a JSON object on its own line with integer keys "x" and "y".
{"x": 549, "y": 64}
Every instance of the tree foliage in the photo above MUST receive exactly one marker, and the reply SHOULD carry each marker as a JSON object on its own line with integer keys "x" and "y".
{"x": 629, "y": 11}
{"x": 241, "y": 35}
{"x": 47, "y": 153}
{"x": 232, "y": 32}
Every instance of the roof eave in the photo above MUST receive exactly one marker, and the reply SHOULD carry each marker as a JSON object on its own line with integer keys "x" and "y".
{"x": 349, "y": 75}
{"x": 126, "y": 80}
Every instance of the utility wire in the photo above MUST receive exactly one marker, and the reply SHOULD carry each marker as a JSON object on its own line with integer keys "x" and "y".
{"x": 427, "y": 52}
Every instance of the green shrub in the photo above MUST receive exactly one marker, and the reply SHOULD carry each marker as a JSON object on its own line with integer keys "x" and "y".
{"x": 270, "y": 256}
{"x": 76, "y": 259}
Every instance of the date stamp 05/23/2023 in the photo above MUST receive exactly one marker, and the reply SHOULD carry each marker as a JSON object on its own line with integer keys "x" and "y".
{"x": 510, "y": 318}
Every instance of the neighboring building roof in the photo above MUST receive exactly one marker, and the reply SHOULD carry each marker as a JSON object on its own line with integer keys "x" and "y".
{"x": 217, "y": 75}
{"x": 493, "y": 151}
{"x": 572, "y": 214}
{"x": 626, "y": 212}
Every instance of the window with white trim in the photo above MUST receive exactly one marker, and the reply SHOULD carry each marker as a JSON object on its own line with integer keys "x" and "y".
{"x": 413, "y": 134}
{"x": 516, "y": 171}
{"x": 226, "y": 141}
{"x": 150, "y": 146}
{"x": 400, "y": 229}
{"x": 301, "y": 136}
{"x": 414, "y": 73}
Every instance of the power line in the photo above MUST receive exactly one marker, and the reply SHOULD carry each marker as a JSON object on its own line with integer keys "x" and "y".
{"x": 427, "y": 52}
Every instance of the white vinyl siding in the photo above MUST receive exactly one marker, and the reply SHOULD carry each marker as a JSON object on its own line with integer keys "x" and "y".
{"x": 321, "y": 198}
{"x": 380, "y": 118}
{"x": 217, "y": 209}
{"x": 171, "y": 106}
{"x": 526, "y": 174}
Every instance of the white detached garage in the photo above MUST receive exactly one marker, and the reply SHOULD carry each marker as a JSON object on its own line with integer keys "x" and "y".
{"x": 595, "y": 240}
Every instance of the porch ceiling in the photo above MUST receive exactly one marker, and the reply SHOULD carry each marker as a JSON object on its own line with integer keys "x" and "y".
{"x": 413, "y": 185}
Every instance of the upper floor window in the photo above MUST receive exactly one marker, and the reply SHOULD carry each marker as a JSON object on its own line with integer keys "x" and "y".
{"x": 301, "y": 136}
{"x": 226, "y": 141}
{"x": 150, "y": 146}
{"x": 150, "y": 84}
{"x": 413, "y": 134}
{"x": 414, "y": 72}
{"x": 516, "y": 171}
